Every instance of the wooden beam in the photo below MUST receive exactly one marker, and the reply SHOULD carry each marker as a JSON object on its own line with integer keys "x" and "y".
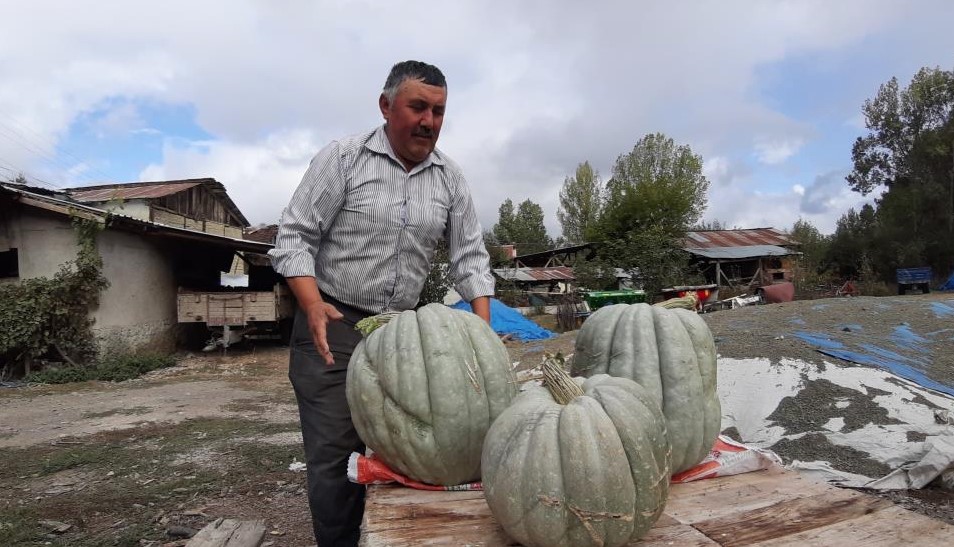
{"x": 224, "y": 532}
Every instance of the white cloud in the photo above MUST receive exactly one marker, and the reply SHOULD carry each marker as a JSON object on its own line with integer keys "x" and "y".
{"x": 773, "y": 152}
{"x": 122, "y": 120}
{"x": 822, "y": 203}
{"x": 535, "y": 87}
{"x": 260, "y": 175}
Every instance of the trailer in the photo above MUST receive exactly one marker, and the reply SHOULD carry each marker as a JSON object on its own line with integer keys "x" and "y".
{"x": 232, "y": 316}
{"x": 914, "y": 278}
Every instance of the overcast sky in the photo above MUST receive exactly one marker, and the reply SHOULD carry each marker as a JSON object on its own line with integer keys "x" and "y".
{"x": 769, "y": 93}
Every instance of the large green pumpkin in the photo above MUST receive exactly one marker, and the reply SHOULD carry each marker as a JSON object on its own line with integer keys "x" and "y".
{"x": 424, "y": 389}
{"x": 592, "y": 471}
{"x": 669, "y": 352}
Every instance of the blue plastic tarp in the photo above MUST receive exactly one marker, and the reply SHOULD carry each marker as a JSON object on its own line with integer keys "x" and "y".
{"x": 506, "y": 320}
{"x": 912, "y": 366}
{"x": 948, "y": 285}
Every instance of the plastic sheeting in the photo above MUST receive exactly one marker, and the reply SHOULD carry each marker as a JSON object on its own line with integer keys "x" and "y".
{"x": 914, "y": 436}
{"x": 506, "y": 320}
{"x": 948, "y": 285}
{"x": 905, "y": 352}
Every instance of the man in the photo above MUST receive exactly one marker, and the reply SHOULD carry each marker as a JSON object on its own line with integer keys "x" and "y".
{"x": 357, "y": 239}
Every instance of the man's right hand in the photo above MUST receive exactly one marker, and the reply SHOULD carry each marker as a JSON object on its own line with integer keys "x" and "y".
{"x": 319, "y": 315}
{"x": 318, "y": 311}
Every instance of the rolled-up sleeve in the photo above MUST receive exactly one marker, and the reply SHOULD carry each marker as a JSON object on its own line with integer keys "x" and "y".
{"x": 469, "y": 260}
{"x": 312, "y": 208}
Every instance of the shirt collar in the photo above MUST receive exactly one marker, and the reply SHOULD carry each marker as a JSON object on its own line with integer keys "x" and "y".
{"x": 380, "y": 144}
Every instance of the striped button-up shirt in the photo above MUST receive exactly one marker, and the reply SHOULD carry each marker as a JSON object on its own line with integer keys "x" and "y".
{"x": 367, "y": 229}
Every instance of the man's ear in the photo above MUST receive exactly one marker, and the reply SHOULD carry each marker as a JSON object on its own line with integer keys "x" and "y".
{"x": 385, "y": 106}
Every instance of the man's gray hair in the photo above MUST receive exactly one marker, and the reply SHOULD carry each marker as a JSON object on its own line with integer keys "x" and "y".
{"x": 412, "y": 70}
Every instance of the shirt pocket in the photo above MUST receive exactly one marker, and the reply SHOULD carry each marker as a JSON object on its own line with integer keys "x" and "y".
{"x": 427, "y": 219}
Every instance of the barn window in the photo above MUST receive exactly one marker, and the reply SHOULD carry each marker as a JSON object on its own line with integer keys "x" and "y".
{"x": 9, "y": 264}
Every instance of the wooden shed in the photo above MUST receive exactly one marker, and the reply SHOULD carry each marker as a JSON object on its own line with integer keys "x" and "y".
{"x": 748, "y": 258}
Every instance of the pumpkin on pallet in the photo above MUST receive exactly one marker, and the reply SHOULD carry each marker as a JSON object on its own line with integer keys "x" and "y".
{"x": 424, "y": 389}
{"x": 671, "y": 353}
{"x": 577, "y": 462}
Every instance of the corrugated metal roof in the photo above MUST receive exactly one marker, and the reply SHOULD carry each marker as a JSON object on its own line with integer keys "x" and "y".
{"x": 265, "y": 234}
{"x": 152, "y": 190}
{"x": 738, "y": 238}
{"x": 67, "y": 206}
{"x": 137, "y": 190}
{"x": 557, "y": 273}
{"x": 751, "y": 251}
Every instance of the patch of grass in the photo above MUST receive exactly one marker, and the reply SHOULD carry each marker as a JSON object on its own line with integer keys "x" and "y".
{"x": 268, "y": 458}
{"x": 18, "y": 526}
{"x": 134, "y": 411}
{"x": 148, "y": 477}
{"x": 247, "y": 405}
{"x": 79, "y": 456}
{"x": 111, "y": 368}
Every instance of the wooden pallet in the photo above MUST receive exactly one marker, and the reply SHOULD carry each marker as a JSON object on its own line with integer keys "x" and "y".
{"x": 774, "y": 507}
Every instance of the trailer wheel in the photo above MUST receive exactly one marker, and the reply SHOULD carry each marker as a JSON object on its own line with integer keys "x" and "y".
{"x": 925, "y": 288}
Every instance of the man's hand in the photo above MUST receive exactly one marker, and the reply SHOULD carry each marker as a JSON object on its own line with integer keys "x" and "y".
{"x": 319, "y": 315}
{"x": 318, "y": 311}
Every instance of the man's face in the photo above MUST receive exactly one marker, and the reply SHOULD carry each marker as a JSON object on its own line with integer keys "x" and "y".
{"x": 414, "y": 120}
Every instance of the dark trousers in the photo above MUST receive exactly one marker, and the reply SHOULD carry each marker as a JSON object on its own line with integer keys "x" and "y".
{"x": 337, "y": 505}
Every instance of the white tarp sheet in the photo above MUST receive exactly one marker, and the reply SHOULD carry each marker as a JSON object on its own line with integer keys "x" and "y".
{"x": 913, "y": 436}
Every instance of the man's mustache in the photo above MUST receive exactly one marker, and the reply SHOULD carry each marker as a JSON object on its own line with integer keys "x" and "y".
{"x": 425, "y": 132}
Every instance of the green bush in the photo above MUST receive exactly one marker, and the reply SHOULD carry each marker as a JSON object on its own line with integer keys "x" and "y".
{"x": 49, "y": 317}
{"x": 110, "y": 368}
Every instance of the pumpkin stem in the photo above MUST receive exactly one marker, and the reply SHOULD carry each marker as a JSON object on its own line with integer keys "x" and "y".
{"x": 369, "y": 324}
{"x": 558, "y": 380}
{"x": 688, "y": 302}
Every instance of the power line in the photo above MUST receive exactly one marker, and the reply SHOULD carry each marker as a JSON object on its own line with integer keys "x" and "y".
{"x": 48, "y": 155}
{"x": 7, "y": 166}
{"x": 56, "y": 149}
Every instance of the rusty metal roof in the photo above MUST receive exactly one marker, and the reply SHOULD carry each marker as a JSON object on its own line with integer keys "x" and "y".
{"x": 60, "y": 204}
{"x": 152, "y": 190}
{"x": 739, "y": 253}
{"x": 556, "y": 273}
{"x": 135, "y": 190}
{"x": 265, "y": 234}
{"x": 737, "y": 238}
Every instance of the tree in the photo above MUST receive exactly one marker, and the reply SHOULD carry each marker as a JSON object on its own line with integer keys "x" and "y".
{"x": 657, "y": 184}
{"x": 851, "y": 245}
{"x": 438, "y": 280}
{"x": 709, "y": 225}
{"x": 657, "y": 192}
{"x": 909, "y": 154}
{"x": 580, "y": 203}
{"x": 814, "y": 248}
{"x": 903, "y": 128}
{"x": 503, "y": 230}
{"x": 524, "y": 228}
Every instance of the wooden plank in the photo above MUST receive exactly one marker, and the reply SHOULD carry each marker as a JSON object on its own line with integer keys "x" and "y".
{"x": 399, "y": 495}
{"x": 713, "y": 498}
{"x": 224, "y": 532}
{"x": 400, "y": 516}
{"x": 888, "y": 527}
{"x": 169, "y": 219}
{"x": 789, "y": 517}
{"x": 428, "y": 514}
{"x": 775, "y": 507}
{"x": 682, "y": 535}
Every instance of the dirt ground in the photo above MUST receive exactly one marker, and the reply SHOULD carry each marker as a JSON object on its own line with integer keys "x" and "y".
{"x": 149, "y": 461}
